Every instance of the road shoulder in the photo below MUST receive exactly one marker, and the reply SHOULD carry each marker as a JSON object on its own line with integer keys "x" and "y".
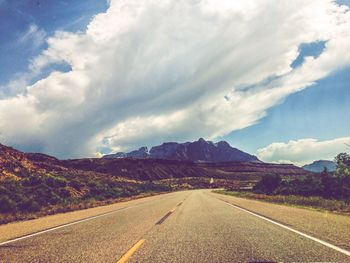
{"x": 327, "y": 226}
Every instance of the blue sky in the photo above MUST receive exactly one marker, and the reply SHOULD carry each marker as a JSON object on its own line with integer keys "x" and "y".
{"x": 167, "y": 59}
{"x": 17, "y": 16}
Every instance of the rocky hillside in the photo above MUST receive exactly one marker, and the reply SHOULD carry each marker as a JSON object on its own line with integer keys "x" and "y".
{"x": 15, "y": 164}
{"x": 198, "y": 151}
{"x": 36, "y": 184}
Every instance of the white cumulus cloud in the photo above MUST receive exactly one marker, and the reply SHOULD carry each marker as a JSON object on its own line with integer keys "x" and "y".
{"x": 303, "y": 151}
{"x": 148, "y": 71}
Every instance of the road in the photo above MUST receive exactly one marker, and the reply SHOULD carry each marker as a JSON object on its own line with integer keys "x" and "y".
{"x": 190, "y": 226}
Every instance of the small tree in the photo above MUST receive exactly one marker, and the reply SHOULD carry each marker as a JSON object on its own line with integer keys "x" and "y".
{"x": 325, "y": 172}
{"x": 342, "y": 161}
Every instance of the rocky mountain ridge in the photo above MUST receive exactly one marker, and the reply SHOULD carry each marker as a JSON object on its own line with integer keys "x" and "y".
{"x": 197, "y": 151}
{"x": 17, "y": 165}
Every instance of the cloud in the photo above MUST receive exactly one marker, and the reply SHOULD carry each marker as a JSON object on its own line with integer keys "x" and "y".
{"x": 34, "y": 35}
{"x": 150, "y": 71}
{"x": 303, "y": 151}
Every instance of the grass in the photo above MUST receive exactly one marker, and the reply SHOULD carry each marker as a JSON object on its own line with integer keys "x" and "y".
{"x": 313, "y": 202}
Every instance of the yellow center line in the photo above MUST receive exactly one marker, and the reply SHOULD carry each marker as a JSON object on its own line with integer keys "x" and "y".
{"x": 131, "y": 251}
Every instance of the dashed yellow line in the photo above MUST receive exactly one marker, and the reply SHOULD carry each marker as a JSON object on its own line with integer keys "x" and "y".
{"x": 131, "y": 251}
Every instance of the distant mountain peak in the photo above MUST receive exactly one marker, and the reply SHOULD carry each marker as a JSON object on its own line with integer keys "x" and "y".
{"x": 319, "y": 165}
{"x": 142, "y": 152}
{"x": 197, "y": 151}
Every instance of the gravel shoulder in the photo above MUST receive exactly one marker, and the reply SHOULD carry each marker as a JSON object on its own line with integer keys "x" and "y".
{"x": 327, "y": 226}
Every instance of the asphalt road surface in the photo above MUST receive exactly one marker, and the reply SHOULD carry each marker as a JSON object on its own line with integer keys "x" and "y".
{"x": 191, "y": 226}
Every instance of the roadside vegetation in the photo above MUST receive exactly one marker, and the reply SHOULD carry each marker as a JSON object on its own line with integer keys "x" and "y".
{"x": 329, "y": 191}
{"x": 35, "y": 195}
{"x": 39, "y": 195}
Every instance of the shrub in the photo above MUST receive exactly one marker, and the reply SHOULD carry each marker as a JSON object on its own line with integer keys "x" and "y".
{"x": 4, "y": 191}
{"x": 7, "y": 205}
{"x": 331, "y": 186}
{"x": 268, "y": 184}
{"x": 64, "y": 193}
{"x": 75, "y": 184}
{"x": 56, "y": 181}
{"x": 32, "y": 181}
{"x": 310, "y": 185}
{"x": 29, "y": 206}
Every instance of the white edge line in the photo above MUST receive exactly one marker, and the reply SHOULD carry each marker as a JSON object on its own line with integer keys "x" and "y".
{"x": 64, "y": 225}
{"x": 344, "y": 251}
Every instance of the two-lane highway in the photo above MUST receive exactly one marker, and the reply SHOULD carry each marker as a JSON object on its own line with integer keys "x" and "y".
{"x": 192, "y": 226}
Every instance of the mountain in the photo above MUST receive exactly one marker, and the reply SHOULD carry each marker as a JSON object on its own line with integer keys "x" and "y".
{"x": 140, "y": 153}
{"x": 198, "y": 151}
{"x": 16, "y": 165}
{"x": 201, "y": 151}
{"x": 318, "y": 166}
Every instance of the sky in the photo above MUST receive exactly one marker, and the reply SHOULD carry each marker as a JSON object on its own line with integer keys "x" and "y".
{"x": 85, "y": 78}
